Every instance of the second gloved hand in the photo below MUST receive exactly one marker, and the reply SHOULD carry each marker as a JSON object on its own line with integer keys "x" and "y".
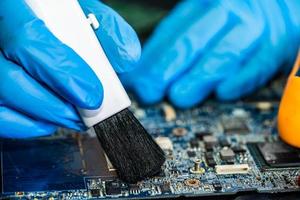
{"x": 227, "y": 47}
{"x": 42, "y": 79}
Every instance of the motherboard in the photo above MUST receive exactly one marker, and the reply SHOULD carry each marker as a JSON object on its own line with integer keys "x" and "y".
{"x": 214, "y": 149}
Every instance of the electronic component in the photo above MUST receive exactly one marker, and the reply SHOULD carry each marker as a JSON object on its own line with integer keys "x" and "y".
{"x": 264, "y": 106}
{"x": 235, "y": 125}
{"x": 95, "y": 192}
{"x": 164, "y": 142}
{"x": 134, "y": 189}
{"x": 112, "y": 188}
{"x": 166, "y": 188}
{"x": 224, "y": 142}
{"x": 194, "y": 143}
{"x": 169, "y": 112}
{"x": 280, "y": 155}
{"x": 179, "y": 132}
{"x": 238, "y": 149}
{"x": 210, "y": 161}
{"x": 239, "y": 112}
{"x": 200, "y": 134}
{"x": 275, "y": 155}
{"x": 232, "y": 169}
{"x": 191, "y": 154}
{"x": 210, "y": 141}
{"x": 227, "y": 154}
{"x": 217, "y": 186}
{"x": 209, "y": 155}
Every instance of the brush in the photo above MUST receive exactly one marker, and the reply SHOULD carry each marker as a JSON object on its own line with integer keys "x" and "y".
{"x": 131, "y": 150}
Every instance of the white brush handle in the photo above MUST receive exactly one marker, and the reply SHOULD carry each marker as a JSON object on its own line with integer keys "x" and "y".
{"x": 66, "y": 20}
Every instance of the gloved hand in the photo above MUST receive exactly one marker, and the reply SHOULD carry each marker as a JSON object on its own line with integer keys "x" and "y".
{"x": 227, "y": 47}
{"x": 41, "y": 78}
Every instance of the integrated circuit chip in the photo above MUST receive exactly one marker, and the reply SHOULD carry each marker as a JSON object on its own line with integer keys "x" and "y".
{"x": 210, "y": 142}
{"x": 235, "y": 125}
{"x": 227, "y": 154}
{"x": 272, "y": 155}
{"x": 278, "y": 154}
{"x": 112, "y": 188}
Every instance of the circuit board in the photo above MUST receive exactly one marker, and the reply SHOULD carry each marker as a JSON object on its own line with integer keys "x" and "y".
{"x": 214, "y": 149}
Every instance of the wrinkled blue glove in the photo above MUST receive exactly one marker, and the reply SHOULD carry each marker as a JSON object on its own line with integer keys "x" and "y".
{"x": 41, "y": 79}
{"x": 227, "y": 47}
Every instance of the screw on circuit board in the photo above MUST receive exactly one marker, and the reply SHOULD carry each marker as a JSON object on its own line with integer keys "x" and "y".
{"x": 197, "y": 169}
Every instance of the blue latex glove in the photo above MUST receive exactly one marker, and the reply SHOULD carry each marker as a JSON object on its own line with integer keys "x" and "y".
{"x": 227, "y": 47}
{"x": 41, "y": 78}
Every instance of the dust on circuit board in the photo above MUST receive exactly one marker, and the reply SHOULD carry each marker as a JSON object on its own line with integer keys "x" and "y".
{"x": 206, "y": 155}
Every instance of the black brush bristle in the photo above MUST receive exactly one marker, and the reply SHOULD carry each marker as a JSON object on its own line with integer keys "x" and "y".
{"x": 129, "y": 147}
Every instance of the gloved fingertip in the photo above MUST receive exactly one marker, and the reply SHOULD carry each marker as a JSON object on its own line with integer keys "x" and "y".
{"x": 182, "y": 97}
{"x": 228, "y": 91}
{"x": 76, "y": 126}
{"x": 129, "y": 56}
{"x": 81, "y": 127}
{"x": 118, "y": 39}
{"x": 148, "y": 93}
{"x": 95, "y": 100}
{"x": 45, "y": 130}
{"x": 92, "y": 96}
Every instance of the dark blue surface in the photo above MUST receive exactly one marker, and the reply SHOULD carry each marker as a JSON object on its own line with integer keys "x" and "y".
{"x": 41, "y": 165}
